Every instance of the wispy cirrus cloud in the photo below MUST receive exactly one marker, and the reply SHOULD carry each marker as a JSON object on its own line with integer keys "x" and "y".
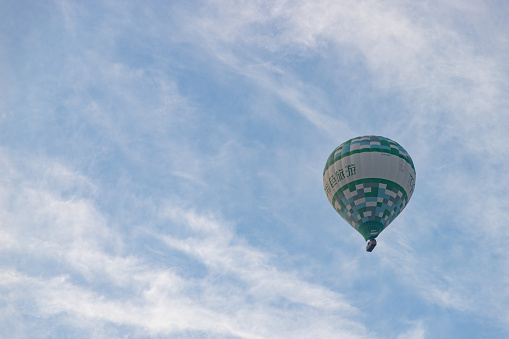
{"x": 228, "y": 106}
{"x": 446, "y": 86}
{"x": 79, "y": 271}
{"x": 450, "y": 111}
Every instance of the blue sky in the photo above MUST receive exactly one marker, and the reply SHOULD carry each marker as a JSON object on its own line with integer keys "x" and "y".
{"x": 161, "y": 168}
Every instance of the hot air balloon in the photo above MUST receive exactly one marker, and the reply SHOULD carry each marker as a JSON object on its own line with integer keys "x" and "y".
{"x": 369, "y": 181}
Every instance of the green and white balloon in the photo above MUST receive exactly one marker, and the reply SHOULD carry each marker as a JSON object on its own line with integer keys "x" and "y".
{"x": 369, "y": 181}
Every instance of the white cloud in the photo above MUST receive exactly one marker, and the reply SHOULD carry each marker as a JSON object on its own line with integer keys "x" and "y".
{"x": 78, "y": 268}
{"x": 441, "y": 64}
{"x": 226, "y": 254}
{"x": 448, "y": 88}
{"x": 417, "y": 332}
{"x": 451, "y": 93}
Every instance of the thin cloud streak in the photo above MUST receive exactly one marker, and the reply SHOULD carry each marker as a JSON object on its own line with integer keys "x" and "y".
{"x": 104, "y": 101}
{"x": 439, "y": 72}
{"x": 84, "y": 257}
{"x": 221, "y": 251}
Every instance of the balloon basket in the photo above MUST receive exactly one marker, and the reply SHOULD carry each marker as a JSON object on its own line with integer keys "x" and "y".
{"x": 371, "y": 245}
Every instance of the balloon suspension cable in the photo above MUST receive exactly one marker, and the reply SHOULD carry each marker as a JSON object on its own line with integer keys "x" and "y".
{"x": 371, "y": 245}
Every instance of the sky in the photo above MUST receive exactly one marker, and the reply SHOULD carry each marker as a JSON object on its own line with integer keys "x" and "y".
{"x": 161, "y": 168}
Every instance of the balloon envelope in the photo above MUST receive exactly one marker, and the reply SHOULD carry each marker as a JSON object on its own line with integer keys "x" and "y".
{"x": 369, "y": 181}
